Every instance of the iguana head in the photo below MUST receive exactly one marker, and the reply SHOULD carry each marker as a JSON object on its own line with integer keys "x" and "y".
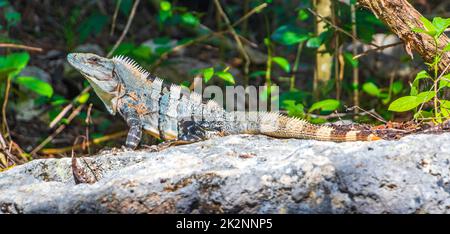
{"x": 100, "y": 72}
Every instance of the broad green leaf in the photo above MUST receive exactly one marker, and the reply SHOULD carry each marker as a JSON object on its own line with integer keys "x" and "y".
{"x": 36, "y": 85}
{"x": 208, "y": 74}
{"x": 425, "y": 96}
{"x": 404, "y": 104}
{"x": 430, "y": 28}
{"x": 14, "y": 63}
{"x": 397, "y": 87}
{"x": 290, "y": 35}
{"x": 371, "y": 88}
{"x": 440, "y": 24}
{"x": 325, "y": 105}
{"x": 226, "y": 76}
{"x": 283, "y": 63}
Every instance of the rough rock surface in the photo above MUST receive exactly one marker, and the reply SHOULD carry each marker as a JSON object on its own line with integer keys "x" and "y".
{"x": 245, "y": 174}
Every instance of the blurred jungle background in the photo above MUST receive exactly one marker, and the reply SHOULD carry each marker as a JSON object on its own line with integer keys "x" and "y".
{"x": 333, "y": 60}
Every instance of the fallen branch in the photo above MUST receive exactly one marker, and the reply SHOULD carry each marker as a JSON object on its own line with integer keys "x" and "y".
{"x": 74, "y": 113}
{"x": 95, "y": 141}
{"x": 23, "y": 47}
{"x": 377, "y": 49}
{"x": 66, "y": 109}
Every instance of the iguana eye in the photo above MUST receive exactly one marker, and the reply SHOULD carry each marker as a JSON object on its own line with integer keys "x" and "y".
{"x": 93, "y": 60}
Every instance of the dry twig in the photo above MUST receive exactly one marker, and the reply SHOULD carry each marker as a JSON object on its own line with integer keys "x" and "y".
{"x": 127, "y": 27}
{"x": 23, "y": 47}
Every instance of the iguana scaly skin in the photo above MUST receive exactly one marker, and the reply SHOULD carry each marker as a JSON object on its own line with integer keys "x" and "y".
{"x": 165, "y": 112}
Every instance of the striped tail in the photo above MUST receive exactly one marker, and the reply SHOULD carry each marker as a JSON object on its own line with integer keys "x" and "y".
{"x": 276, "y": 125}
{"x": 287, "y": 127}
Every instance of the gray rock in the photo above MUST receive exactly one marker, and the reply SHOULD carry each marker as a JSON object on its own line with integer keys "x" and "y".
{"x": 245, "y": 174}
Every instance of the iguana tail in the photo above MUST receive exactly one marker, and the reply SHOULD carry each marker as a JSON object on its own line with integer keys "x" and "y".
{"x": 277, "y": 125}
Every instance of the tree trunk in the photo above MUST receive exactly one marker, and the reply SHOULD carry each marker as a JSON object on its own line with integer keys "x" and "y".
{"x": 324, "y": 60}
{"x": 401, "y": 17}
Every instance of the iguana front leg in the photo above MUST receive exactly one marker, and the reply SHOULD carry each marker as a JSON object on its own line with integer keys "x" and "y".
{"x": 134, "y": 122}
{"x": 191, "y": 132}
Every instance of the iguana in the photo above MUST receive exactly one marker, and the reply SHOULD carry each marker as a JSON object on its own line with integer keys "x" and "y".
{"x": 167, "y": 113}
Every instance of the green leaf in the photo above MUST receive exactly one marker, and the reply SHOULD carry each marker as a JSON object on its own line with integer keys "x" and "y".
{"x": 419, "y": 30}
{"x": 302, "y": 15}
{"x": 165, "y": 5}
{"x": 36, "y": 85}
{"x": 445, "y": 104}
{"x": 371, "y": 88}
{"x": 445, "y": 112}
{"x": 208, "y": 74}
{"x": 58, "y": 100}
{"x": 83, "y": 98}
{"x": 397, "y": 87}
{"x": 422, "y": 75}
{"x": 294, "y": 109}
{"x": 349, "y": 58}
{"x": 430, "y": 28}
{"x": 440, "y": 24}
{"x": 447, "y": 48}
{"x": 12, "y": 17}
{"x": 325, "y": 105}
{"x": 425, "y": 96}
{"x": 283, "y": 63}
{"x": 423, "y": 114}
{"x": 444, "y": 81}
{"x": 290, "y": 35}
{"x": 226, "y": 76}
{"x": 403, "y": 104}
{"x": 415, "y": 85}
{"x": 314, "y": 42}
{"x": 259, "y": 73}
{"x": 189, "y": 19}
{"x": 142, "y": 52}
{"x": 14, "y": 63}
